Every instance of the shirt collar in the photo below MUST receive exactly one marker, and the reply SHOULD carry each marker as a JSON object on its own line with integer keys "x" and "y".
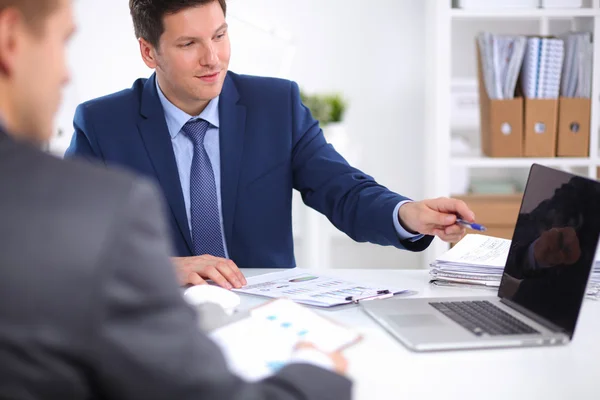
{"x": 177, "y": 118}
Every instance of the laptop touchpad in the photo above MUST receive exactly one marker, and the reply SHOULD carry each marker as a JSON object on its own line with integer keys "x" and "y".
{"x": 415, "y": 320}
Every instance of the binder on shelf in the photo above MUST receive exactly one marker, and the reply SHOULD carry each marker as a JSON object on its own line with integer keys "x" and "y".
{"x": 574, "y": 127}
{"x": 501, "y": 120}
{"x": 541, "y": 117}
{"x": 574, "y": 104}
{"x": 540, "y": 83}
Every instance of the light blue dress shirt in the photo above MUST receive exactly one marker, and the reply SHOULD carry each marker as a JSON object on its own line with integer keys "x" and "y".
{"x": 184, "y": 153}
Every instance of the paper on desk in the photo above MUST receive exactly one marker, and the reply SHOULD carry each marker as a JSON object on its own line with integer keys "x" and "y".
{"x": 477, "y": 250}
{"x": 479, "y": 260}
{"x": 309, "y": 288}
{"x": 258, "y": 346}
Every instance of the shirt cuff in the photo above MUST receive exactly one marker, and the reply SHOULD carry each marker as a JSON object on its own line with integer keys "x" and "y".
{"x": 313, "y": 357}
{"x": 403, "y": 234}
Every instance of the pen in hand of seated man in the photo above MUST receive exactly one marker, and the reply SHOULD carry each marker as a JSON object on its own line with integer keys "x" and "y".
{"x": 439, "y": 217}
{"x": 195, "y": 271}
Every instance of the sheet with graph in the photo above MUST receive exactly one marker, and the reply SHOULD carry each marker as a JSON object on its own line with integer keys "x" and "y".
{"x": 264, "y": 342}
{"x": 306, "y": 287}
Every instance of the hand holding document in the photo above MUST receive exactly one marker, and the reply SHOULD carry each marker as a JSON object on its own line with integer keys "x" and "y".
{"x": 262, "y": 343}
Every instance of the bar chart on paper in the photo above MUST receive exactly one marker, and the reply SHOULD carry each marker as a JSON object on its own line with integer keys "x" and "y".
{"x": 261, "y": 344}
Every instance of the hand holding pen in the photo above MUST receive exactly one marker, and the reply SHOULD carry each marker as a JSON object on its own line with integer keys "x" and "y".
{"x": 443, "y": 217}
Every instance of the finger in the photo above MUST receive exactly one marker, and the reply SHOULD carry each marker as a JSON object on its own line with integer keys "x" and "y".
{"x": 453, "y": 206}
{"x": 225, "y": 269}
{"x": 431, "y": 217}
{"x": 215, "y": 260}
{"x": 209, "y": 259}
{"x": 195, "y": 279}
{"x": 340, "y": 362}
{"x": 237, "y": 271}
{"x": 213, "y": 274}
{"x": 304, "y": 345}
{"x": 456, "y": 230}
{"x": 447, "y": 238}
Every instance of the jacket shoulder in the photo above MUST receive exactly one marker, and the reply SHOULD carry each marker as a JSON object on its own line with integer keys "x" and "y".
{"x": 117, "y": 102}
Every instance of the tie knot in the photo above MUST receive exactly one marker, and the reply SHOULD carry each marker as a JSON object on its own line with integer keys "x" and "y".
{"x": 196, "y": 129}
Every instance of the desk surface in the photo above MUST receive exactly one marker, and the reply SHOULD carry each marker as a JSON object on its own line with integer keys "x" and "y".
{"x": 382, "y": 368}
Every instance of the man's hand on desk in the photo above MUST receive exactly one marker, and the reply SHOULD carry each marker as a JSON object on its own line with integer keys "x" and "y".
{"x": 194, "y": 271}
{"x": 436, "y": 217}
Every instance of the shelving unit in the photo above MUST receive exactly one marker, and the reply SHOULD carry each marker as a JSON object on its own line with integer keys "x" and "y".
{"x": 457, "y": 13}
{"x": 438, "y": 160}
{"x": 521, "y": 162}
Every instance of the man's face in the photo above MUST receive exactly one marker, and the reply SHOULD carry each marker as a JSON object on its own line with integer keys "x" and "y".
{"x": 40, "y": 72}
{"x": 193, "y": 55}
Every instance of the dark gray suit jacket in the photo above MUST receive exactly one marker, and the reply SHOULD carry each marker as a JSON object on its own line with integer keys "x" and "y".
{"x": 90, "y": 307}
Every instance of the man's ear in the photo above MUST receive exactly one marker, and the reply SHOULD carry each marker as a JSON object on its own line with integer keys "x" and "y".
{"x": 148, "y": 53}
{"x": 11, "y": 22}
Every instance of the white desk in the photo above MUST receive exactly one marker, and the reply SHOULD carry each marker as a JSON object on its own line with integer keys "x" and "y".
{"x": 384, "y": 369}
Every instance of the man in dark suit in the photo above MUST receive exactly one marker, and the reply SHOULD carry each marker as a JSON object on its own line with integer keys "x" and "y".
{"x": 229, "y": 149}
{"x": 90, "y": 304}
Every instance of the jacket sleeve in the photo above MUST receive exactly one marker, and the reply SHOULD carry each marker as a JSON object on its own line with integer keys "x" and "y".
{"x": 351, "y": 199}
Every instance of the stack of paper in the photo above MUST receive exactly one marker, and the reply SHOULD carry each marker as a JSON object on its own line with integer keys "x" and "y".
{"x": 478, "y": 261}
{"x": 542, "y": 68}
{"x": 501, "y": 59}
{"x": 577, "y": 66}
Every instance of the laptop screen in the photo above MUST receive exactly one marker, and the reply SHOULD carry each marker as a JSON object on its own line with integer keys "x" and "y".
{"x": 553, "y": 245}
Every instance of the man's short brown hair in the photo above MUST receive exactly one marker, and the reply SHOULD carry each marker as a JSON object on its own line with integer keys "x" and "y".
{"x": 34, "y": 11}
{"x": 148, "y": 15}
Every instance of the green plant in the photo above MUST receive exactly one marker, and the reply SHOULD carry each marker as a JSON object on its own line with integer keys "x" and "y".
{"x": 325, "y": 108}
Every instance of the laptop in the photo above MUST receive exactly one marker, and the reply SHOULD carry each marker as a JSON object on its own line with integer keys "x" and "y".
{"x": 543, "y": 283}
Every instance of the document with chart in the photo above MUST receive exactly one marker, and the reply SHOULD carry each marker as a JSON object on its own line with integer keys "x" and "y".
{"x": 306, "y": 287}
{"x": 264, "y": 342}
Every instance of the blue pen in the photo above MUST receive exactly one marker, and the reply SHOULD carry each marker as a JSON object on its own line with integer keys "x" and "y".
{"x": 473, "y": 226}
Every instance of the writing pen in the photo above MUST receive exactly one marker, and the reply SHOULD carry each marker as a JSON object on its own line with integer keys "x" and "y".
{"x": 471, "y": 225}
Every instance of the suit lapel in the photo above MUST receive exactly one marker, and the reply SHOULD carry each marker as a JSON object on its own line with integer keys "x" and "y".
{"x": 155, "y": 134}
{"x": 232, "y": 125}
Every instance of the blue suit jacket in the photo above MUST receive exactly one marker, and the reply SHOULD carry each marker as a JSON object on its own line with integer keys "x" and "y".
{"x": 269, "y": 144}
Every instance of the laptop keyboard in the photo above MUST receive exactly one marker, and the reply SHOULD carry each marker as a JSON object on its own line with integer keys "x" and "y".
{"x": 482, "y": 317}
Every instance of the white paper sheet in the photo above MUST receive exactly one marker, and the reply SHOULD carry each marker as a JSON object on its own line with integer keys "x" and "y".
{"x": 310, "y": 288}
{"x": 261, "y": 344}
{"x": 478, "y": 250}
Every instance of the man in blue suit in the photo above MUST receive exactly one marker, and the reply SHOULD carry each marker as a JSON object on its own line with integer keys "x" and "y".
{"x": 227, "y": 151}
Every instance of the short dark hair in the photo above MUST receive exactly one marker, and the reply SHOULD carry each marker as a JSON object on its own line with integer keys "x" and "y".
{"x": 34, "y": 11}
{"x": 147, "y": 15}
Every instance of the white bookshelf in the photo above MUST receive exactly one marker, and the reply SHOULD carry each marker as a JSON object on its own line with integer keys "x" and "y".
{"x": 524, "y": 13}
{"x": 438, "y": 160}
{"x": 520, "y": 162}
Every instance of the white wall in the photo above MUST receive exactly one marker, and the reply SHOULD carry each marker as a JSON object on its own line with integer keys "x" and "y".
{"x": 373, "y": 52}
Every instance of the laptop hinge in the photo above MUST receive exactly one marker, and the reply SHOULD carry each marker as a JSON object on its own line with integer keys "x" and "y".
{"x": 530, "y": 314}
